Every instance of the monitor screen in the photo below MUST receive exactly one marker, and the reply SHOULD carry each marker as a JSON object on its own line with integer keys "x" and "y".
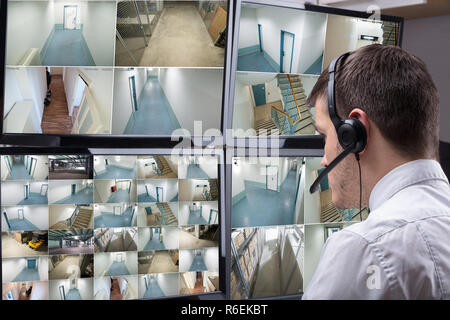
{"x": 109, "y": 227}
{"x": 280, "y": 53}
{"x": 279, "y": 228}
{"x": 148, "y": 68}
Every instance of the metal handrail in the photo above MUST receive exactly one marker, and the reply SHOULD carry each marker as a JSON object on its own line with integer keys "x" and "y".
{"x": 295, "y": 99}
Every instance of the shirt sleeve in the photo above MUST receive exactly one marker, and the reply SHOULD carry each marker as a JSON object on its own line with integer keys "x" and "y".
{"x": 348, "y": 269}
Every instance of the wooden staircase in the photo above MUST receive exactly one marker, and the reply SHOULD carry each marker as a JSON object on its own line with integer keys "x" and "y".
{"x": 329, "y": 213}
{"x": 83, "y": 219}
{"x": 165, "y": 168}
{"x": 266, "y": 127}
{"x": 213, "y": 189}
{"x": 171, "y": 219}
{"x": 389, "y": 33}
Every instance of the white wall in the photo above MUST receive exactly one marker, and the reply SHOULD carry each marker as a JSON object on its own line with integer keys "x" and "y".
{"x": 311, "y": 201}
{"x": 37, "y": 215}
{"x": 424, "y": 38}
{"x": 41, "y": 171}
{"x": 188, "y": 190}
{"x": 101, "y": 89}
{"x": 272, "y": 91}
{"x": 300, "y": 204}
{"x": 84, "y": 286}
{"x": 143, "y": 238}
{"x": 59, "y": 189}
{"x": 237, "y": 180}
{"x": 184, "y": 210}
{"x": 314, "y": 241}
{"x": 12, "y": 192}
{"x": 103, "y": 284}
{"x": 194, "y": 94}
{"x": 100, "y": 37}
{"x": 31, "y": 22}
{"x": 122, "y": 161}
{"x": 168, "y": 283}
{"x": 243, "y": 114}
{"x": 170, "y": 237}
{"x": 185, "y": 259}
{"x": 42, "y": 264}
{"x": 308, "y": 81}
{"x": 102, "y": 190}
{"x": 170, "y": 188}
{"x": 211, "y": 258}
{"x": 11, "y": 268}
{"x": 102, "y": 261}
{"x": 131, "y": 262}
{"x": 248, "y": 35}
{"x": 59, "y": 213}
{"x": 122, "y": 99}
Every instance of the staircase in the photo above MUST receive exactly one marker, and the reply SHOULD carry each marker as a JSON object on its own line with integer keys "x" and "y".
{"x": 329, "y": 213}
{"x": 389, "y": 33}
{"x": 266, "y": 128}
{"x": 294, "y": 101}
{"x": 168, "y": 218}
{"x": 213, "y": 189}
{"x": 163, "y": 167}
{"x": 82, "y": 219}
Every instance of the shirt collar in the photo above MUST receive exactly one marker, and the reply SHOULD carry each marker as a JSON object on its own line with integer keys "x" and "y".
{"x": 403, "y": 176}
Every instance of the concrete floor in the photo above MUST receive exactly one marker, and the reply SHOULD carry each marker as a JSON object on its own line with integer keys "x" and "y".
{"x": 72, "y": 250}
{"x": 68, "y": 175}
{"x": 188, "y": 241}
{"x": 181, "y": 39}
{"x": 268, "y": 279}
{"x": 64, "y": 269}
{"x": 161, "y": 263}
{"x": 12, "y": 248}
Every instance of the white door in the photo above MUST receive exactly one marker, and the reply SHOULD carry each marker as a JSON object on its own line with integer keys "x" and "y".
{"x": 287, "y": 50}
{"x": 88, "y": 119}
{"x": 70, "y": 17}
{"x": 272, "y": 178}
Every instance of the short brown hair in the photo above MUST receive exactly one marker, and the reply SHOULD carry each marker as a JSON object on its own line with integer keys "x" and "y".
{"x": 396, "y": 91}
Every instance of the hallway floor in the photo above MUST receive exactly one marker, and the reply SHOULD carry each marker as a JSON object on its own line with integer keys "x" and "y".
{"x": 27, "y": 275}
{"x": 73, "y": 294}
{"x": 19, "y": 172}
{"x": 145, "y": 197}
{"x": 198, "y": 264}
{"x": 254, "y": 62}
{"x": 71, "y": 250}
{"x": 116, "y": 172}
{"x": 63, "y": 270}
{"x": 56, "y": 118}
{"x": 118, "y": 244}
{"x": 12, "y": 248}
{"x": 110, "y": 220}
{"x": 189, "y": 241}
{"x": 66, "y": 49}
{"x": 34, "y": 198}
{"x": 196, "y": 218}
{"x": 153, "y": 113}
{"x": 262, "y": 207}
{"x": 161, "y": 263}
{"x": 195, "y": 172}
{"x": 120, "y": 196}
{"x": 268, "y": 279}
{"x": 118, "y": 269}
{"x": 153, "y": 290}
{"x": 83, "y": 196}
{"x": 181, "y": 39}
{"x": 21, "y": 224}
{"x": 154, "y": 244}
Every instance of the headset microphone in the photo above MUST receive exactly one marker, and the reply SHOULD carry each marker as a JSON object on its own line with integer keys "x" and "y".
{"x": 351, "y": 132}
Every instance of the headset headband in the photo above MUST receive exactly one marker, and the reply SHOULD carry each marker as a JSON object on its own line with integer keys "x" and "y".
{"x": 337, "y": 122}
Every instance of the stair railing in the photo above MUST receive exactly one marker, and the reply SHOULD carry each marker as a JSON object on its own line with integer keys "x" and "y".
{"x": 72, "y": 218}
{"x": 295, "y": 99}
{"x": 159, "y": 166}
{"x": 163, "y": 213}
{"x": 283, "y": 121}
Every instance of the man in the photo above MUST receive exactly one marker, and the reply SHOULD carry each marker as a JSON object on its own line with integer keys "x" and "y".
{"x": 402, "y": 250}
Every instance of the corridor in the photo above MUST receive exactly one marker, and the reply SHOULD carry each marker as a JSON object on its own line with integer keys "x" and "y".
{"x": 83, "y": 196}
{"x": 268, "y": 280}
{"x": 195, "y": 172}
{"x": 255, "y": 61}
{"x": 154, "y": 115}
{"x": 111, "y": 220}
{"x": 153, "y": 290}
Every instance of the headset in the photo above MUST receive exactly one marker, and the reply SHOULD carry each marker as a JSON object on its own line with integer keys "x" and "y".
{"x": 351, "y": 132}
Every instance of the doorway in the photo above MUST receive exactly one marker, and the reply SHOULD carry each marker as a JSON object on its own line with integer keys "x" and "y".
{"x": 20, "y": 214}
{"x": 286, "y": 51}
{"x": 117, "y": 210}
{"x": 26, "y": 191}
{"x": 31, "y": 263}
{"x": 78, "y": 96}
{"x": 260, "y": 38}
{"x": 44, "y": 189}
{"x": 259, "y": 93}
{"x": 70, "y": 17}
{"x": 272, "y": 178}
{"x": 132, "y": 86}
{"x": 74, "y": 189}
{"x": 159, "y": 194}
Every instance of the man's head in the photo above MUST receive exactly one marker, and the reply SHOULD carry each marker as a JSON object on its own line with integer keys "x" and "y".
{"x": 393, "y": 95}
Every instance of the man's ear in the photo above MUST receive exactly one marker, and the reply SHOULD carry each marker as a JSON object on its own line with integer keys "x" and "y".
{"x": 364, "y": 119}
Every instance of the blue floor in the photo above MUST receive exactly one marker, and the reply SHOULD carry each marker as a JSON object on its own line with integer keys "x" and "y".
{"x": 144, "y": 197}
{"x": 316, "y": 67}
{"x": 196, "y": 218}
{"x": 84, "y": 196}
{"x": 35, "y": 198}
{"x": 152, "y": 116}
{"x": 27, "y": 275}
{"x": 66, "y": 49}
{"x": 153, "y": 291}
{"x": 254, "y": 62}
{"x": 119, "y": 196}
{"x": 198, "y": 264}
{"x": 263, "y": 207}
{"x": 195, "y": 172}
{"x": 154, "y": 244}
{"x": 110, "y": 220}
{"x": 115, "y": 172}
{"x": 19, "y": 172}
{"x": 73, "y": 294}
{"x": 118, "y": 269}
{"x": 21, "y": 224}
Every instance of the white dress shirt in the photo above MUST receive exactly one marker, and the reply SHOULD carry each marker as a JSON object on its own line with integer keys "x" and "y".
{"x": 401, "y": 251}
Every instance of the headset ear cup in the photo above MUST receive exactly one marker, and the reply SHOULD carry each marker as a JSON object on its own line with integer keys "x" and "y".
{"x": 352, "y": 132}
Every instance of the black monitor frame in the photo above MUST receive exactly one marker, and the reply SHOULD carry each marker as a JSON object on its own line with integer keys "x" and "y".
{"x": 224, "y": 232}
{"x": 105, "y": 140}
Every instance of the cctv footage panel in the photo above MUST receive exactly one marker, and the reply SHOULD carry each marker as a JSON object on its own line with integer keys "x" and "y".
{"x": 278, "y": 227}
{"x": 114, "y": 67}
{"x": 108, "y": 227}
{"x": 280, "y": 54}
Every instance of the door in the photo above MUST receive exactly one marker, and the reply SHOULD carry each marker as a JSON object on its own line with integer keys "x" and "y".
{"x": 88, "y": 118}
{"x": 259, "y": 93}
{"x": 26, "y": 191}
{"x": 70, "y": 17}
{"x": 6, "y": 219}
{"x": 213, "y": 214}
{"x": 260, "y": 38}
{"x": 74, "y": 189}
{"x": 272, "y": 178}
{"x": 286, "y": 51}
{"x": 119, "y": 257}
{"x": 62, "y": 293}
{"x": 31, "y": 166}
{"x": 117, "y": 210}
{"x": 8, "y": 163}
{"x": 106, "y": 162}
{"x": 132, "y": 87}
{"x": 159, "y": 194}
{"x": 20, "y": 214}
{"x": 31, "y": 263}
{"x": 44, "y": 189}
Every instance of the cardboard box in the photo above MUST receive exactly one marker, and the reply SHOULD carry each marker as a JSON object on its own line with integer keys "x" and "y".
{"x": 239, "y": 240}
